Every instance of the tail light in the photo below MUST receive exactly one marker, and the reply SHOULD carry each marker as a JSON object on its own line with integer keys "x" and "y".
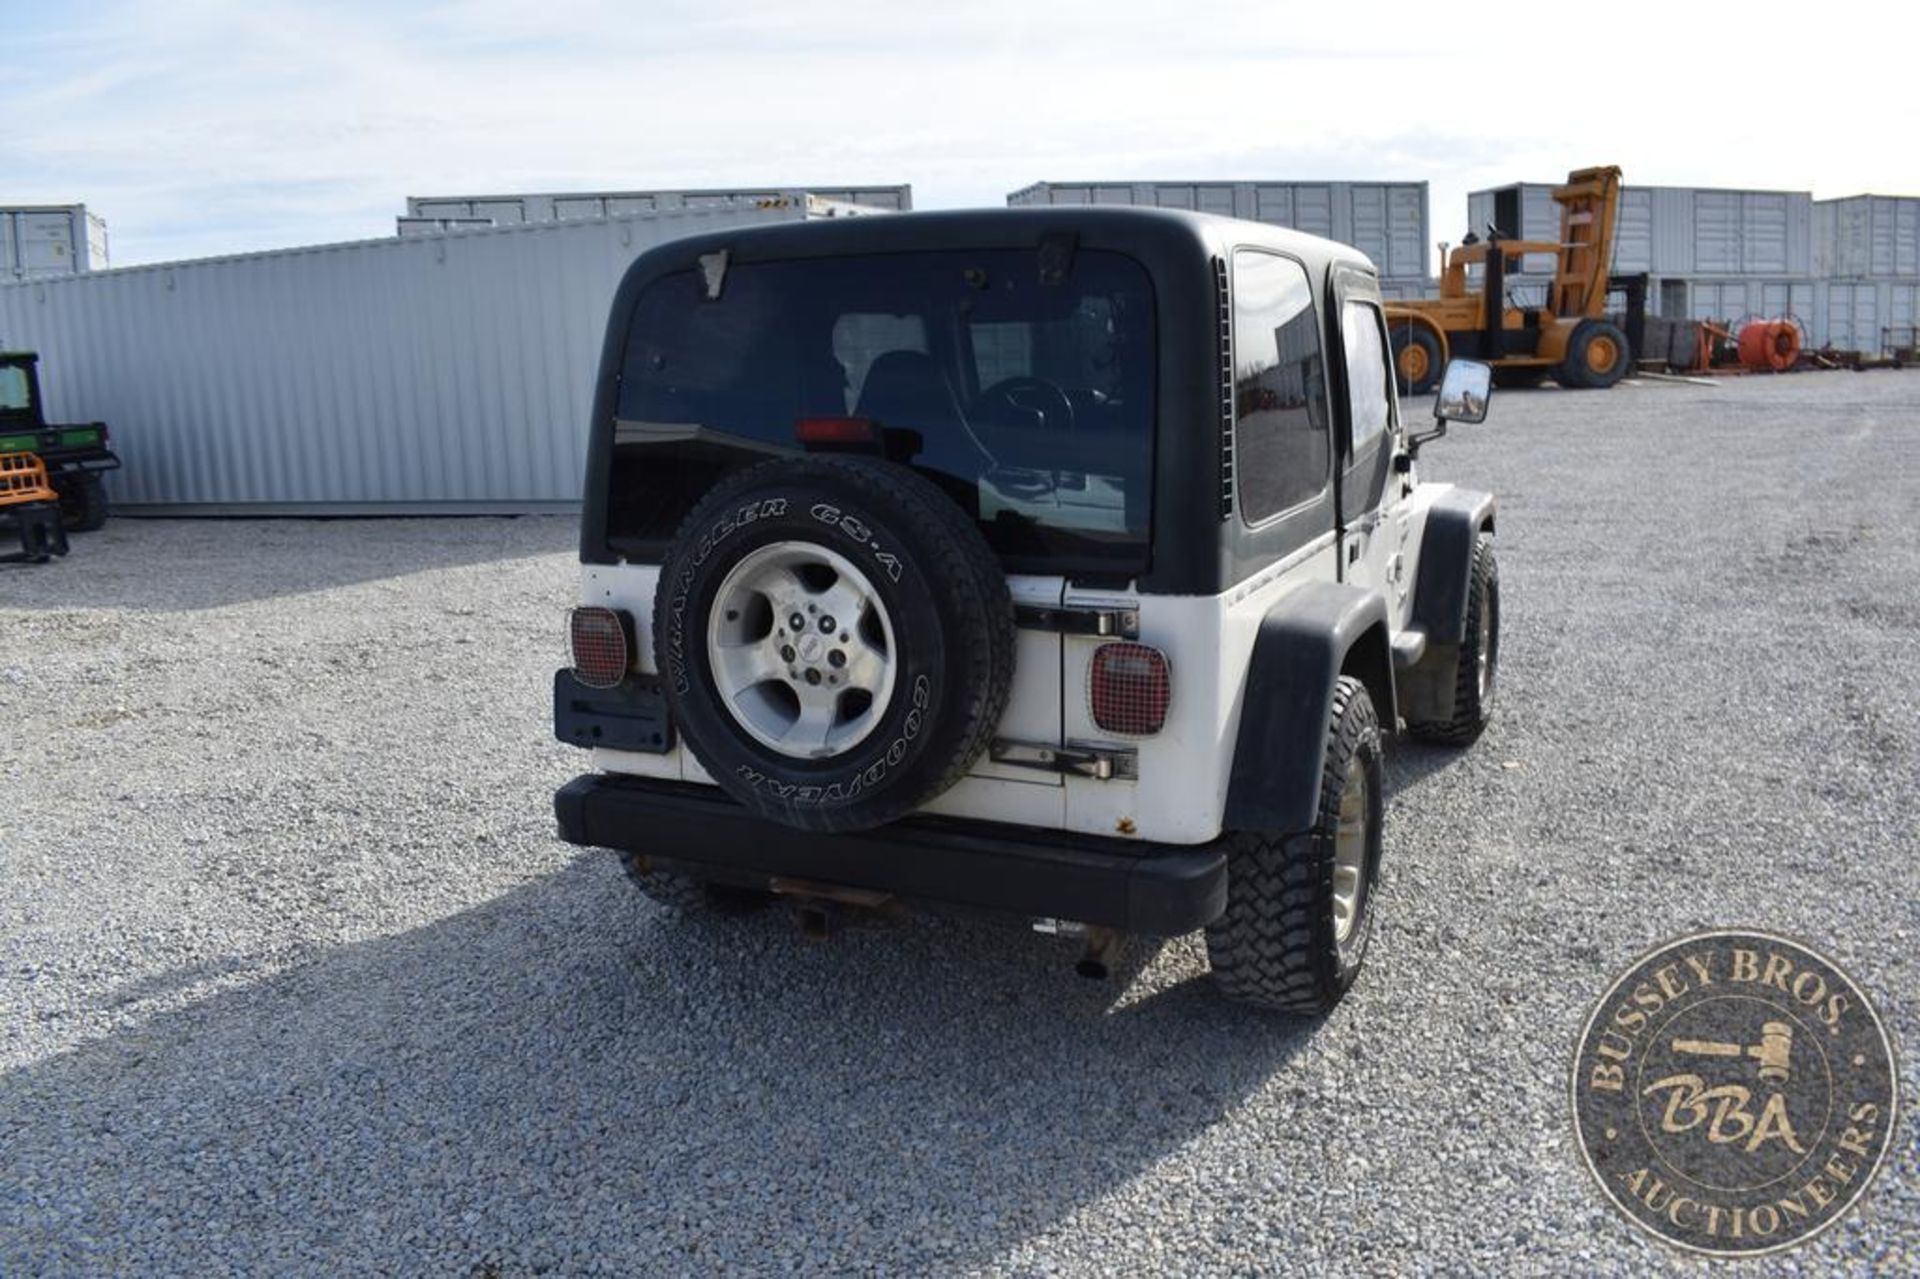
{"x": 1129, "y": 688}
{"x": 834, "y": 430}
{"x": 601, "y": 653}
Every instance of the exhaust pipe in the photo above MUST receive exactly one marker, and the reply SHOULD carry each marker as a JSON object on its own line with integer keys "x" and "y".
{"x": 1097, "y": 961}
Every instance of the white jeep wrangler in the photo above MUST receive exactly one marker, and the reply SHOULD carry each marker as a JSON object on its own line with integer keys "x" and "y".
{"x": 1061, "y": 562}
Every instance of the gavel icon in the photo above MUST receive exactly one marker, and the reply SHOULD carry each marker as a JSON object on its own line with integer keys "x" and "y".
{"x": 1772, "y": 1052}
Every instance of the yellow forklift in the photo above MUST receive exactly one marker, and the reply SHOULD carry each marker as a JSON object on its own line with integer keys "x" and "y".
{"x": 1569, "y": 339}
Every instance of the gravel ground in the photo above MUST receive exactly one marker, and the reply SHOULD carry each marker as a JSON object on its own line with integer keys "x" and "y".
{"x": 295, "y": 977}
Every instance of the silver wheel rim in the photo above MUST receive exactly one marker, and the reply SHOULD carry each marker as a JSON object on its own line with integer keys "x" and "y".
{"x": 1483, "y": 675}
{"x": 1350, "y": 853}
{"x": 802, "y": 650}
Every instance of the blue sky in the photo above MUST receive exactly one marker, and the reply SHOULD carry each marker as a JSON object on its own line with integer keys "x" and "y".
{"x": 213, "y": 126}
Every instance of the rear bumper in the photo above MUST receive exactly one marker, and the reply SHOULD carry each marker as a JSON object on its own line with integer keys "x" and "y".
{"x": 1139, "y": 888}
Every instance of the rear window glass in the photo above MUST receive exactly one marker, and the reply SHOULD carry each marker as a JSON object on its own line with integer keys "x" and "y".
{"x": 1030, "y": 402}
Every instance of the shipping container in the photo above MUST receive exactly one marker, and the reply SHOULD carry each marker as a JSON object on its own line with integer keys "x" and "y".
{"x": 437, "y": 226}
{"x": 1847, "y": 315}
{"x": 1683, "y": 231}
{"x": 1866, "y": 315}
{"x": 1387, "y": 221}
{"x": 41, "y": 241}
{"x": 567, "y": 206}
{"x": 447, "y": 373}
{"x": 1868, "y": 236}
{"x": 1523, "y": 211}
{"x": 1731, "y": 299}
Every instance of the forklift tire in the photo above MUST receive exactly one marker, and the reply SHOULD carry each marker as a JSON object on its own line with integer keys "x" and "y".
{"x": 1416, "y": 359}
{"x": 1597, "y": 357}
{"x": 83, "y": 503}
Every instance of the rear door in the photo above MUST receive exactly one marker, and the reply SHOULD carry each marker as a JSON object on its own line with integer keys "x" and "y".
{"x": 1033, "y": 715}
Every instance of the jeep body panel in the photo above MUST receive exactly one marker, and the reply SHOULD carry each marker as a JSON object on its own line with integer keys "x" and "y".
{"x": 1178, "y": 794}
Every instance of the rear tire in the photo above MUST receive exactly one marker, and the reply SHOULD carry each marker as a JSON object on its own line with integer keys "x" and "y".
{"x": 83, "y": 504}
{"x": 1281, "y": 943}
{"x": 1479, "y": 661}
{"x": 1597, "y": 357}
{"x": 1417, "y": 359}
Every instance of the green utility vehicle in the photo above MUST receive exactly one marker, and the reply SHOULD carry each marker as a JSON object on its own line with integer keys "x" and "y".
{"x": 75, "y": 453}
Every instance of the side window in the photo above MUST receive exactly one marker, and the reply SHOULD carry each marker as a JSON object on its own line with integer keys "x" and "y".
{"x": 1360, "y": 324}
{"x": 1280, "y": 422}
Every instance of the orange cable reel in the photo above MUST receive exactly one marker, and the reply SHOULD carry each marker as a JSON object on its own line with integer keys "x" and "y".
{"x": 1770, "y": 346}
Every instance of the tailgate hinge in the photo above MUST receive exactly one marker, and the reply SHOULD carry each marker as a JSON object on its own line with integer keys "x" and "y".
{"x": 1122, "y": 622}
{"x": 1102, "y": 763}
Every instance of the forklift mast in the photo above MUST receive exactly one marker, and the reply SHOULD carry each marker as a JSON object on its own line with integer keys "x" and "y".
{"x": 1589, "y": 214}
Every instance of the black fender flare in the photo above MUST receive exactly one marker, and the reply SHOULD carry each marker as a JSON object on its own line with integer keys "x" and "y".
{"x": 1454, "y": 523}
{"x": 1307, "y": 640}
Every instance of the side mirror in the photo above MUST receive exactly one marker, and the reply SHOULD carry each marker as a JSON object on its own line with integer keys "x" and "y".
{"x": 1464, "y": 390}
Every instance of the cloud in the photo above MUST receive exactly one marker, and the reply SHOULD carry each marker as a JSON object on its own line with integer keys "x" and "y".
{"x": 218, "y": 126}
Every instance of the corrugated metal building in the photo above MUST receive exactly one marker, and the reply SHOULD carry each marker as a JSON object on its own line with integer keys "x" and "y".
{"x": 43, "y": 240}
{"x": 517, "y": 208}
{"x": 1387, "y": 221}
{"x": 449, "y": 373}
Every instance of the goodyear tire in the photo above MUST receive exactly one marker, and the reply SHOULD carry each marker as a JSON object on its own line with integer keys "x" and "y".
{"x": 1299, "y": 906}
{"x": 1479, "y": 660}
{"x": 1597, "y": 357}
{"x": 835, "y": 640}
{"x": 1417, "y": 360}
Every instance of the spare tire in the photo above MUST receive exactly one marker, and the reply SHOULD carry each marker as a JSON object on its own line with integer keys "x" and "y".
{"x": 835, "y": 639}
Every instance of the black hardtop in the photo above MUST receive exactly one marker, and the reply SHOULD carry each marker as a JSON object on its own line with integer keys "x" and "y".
{"x": 1155, "y": 236}
{"x": 1195, "y": 549}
